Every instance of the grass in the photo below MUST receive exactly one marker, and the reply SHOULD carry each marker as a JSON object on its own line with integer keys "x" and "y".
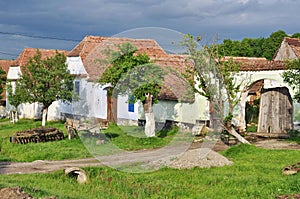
{"x": 58, "y": 150}
{"x": 251, "y": 127}
{"x": 127, "y": 138}
{"x": 256, "y": 173}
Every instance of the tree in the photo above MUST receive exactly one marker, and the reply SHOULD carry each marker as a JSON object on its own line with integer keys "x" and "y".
{"x": 2, "y": 81}
{"x": 45, "y": 81}
{"x": 143, "y": 83}
{"x": 272, "y": 43}
{"x": 15, "y": 98}
{"x": 215, "y": 80}
{"x": 134, "y": 75}
{"x": 292, "y": 77}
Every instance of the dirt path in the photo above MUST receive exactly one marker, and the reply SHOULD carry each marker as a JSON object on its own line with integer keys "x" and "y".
{"x": 277, "y": 144}
{"x": 164, "y": 154}
{"x": 195, "y": 152}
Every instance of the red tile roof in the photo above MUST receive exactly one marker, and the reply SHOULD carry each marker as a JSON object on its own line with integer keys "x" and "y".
{"x": 28, "y": 53}
{"x": 258, "y": 64}
{"x": 24, "y": 57}
{"x": 92, "y": 48}
{"x": 294, "y": 43}
{"x": 175, "y": 85}
{"x": 5, "y": 64}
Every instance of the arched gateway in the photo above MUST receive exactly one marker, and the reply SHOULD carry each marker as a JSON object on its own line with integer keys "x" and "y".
{"x": 266, "y": 103}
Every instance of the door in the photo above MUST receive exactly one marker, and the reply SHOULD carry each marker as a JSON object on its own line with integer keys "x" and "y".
{"x": 276, "y": 111}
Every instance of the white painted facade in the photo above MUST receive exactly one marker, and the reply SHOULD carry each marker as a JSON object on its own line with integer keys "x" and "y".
{"x": 182, "y": 112}
{"x": 272, "y": 79}
{"x": 92, "y": 100}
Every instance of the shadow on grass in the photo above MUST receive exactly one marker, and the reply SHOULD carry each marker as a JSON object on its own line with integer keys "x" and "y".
{"x": 111, "y": 135}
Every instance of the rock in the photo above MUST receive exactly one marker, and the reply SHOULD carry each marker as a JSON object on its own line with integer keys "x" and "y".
{"x": 99, "y": 142}
{"x": 291, "y": 170}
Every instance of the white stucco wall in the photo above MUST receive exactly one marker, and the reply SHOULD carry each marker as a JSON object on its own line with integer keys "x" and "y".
{"x": 179, "y": 111}
{"x": 123, "y": 112}
{"x": 272, "y": 79}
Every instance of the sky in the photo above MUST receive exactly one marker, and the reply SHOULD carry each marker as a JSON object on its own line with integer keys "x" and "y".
{"x": 32, "y": 23}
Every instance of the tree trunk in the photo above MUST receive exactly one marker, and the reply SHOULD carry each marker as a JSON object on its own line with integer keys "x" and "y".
{"x": 44, "y": 117}
{"x": 149, "y": 116}
{"x": 13, "y": 116}
{"x": 232, "y": 132}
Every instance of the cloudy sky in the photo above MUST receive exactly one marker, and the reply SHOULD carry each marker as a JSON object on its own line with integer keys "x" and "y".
{"x": 71, "y": 20}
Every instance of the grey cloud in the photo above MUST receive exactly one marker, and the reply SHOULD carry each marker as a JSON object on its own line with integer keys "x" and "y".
{"x": 75, "y": 18}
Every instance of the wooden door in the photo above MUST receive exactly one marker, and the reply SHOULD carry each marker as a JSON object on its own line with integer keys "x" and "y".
{"x": 276, "y": 111}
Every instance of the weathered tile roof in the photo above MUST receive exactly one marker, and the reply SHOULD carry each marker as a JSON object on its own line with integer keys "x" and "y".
{"x": 92, "y": 48}
{"x": 294, "y": 43}
{"x": 258, "y": 64}
{"x": 28, "y": 53}
{"x": 24, "y": 57}
{"x": 5, "y": 64}
{"x": 175, "y": 85}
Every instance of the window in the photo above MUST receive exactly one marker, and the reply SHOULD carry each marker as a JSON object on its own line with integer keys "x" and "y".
{"x": 131, "y": 104}
{"x": 77, "y": 87}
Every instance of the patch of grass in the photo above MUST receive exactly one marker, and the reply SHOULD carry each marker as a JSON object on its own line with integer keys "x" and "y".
{"x": 256, "y": 173}
{"x": 251, "y": 128}
{"x": 58, "y": 150}
{"x": 294, "y": 136}
{"x": 133, "y": 137}
{"x": 127, "y": 138}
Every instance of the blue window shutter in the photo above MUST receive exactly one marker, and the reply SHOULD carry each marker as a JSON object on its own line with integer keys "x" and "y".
{"x": 131, "y": 106}
{"x": 77, "y": 87}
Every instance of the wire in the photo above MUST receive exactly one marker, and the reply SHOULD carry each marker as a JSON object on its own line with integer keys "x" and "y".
{"x": 10, "y": 54}
{"x": 38, "y": 37}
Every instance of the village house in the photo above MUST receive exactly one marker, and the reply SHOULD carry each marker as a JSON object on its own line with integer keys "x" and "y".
{"x": 173, "y": 104}
{"x": 277, "y": 114}
{"x": 30, "y": 111}
{"x": 5, "y": 64}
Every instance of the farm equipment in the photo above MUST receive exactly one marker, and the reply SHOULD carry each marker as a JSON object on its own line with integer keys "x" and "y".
{"x": 40, "y": 134}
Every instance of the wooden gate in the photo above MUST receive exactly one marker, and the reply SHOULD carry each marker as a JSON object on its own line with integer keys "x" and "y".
{"x": 276, "y": 111}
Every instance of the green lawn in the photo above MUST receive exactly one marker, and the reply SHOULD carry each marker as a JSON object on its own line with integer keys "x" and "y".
{"x": 126, "y": 138}
{"x": 256, "y": 173}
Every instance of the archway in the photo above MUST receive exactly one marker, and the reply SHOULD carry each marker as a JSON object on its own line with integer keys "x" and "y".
{"x": 269, "y": 107}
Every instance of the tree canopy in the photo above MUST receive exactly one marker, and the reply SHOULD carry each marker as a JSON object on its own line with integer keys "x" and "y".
{"x": 215, "y": 80}
{"x": 45, "y": 81}
{"x": 2, "y": 81}
{"x": 292, "y": 77}
{"x": 119, "y": 62}
{"x": 131, "y": 73}
{"x": 254, "y": 47}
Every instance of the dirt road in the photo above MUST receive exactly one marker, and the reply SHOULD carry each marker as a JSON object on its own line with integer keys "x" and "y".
{"x": 144, "y": 156}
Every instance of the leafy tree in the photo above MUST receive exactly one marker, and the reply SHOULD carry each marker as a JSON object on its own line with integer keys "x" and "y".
{"x": 215, "y": 80}
{"x": 292, "y": 77}
{"x": 15, "y": 98}
{"x": 252, "y": 47}
{"x": 133, "y": 74}
{"x": 2, "y": 81}
{"x": 296, "y": 35}
{"x": 120, "y": 62}
{"x": 45, "y": 81}
{"x": 272, "y": 43}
